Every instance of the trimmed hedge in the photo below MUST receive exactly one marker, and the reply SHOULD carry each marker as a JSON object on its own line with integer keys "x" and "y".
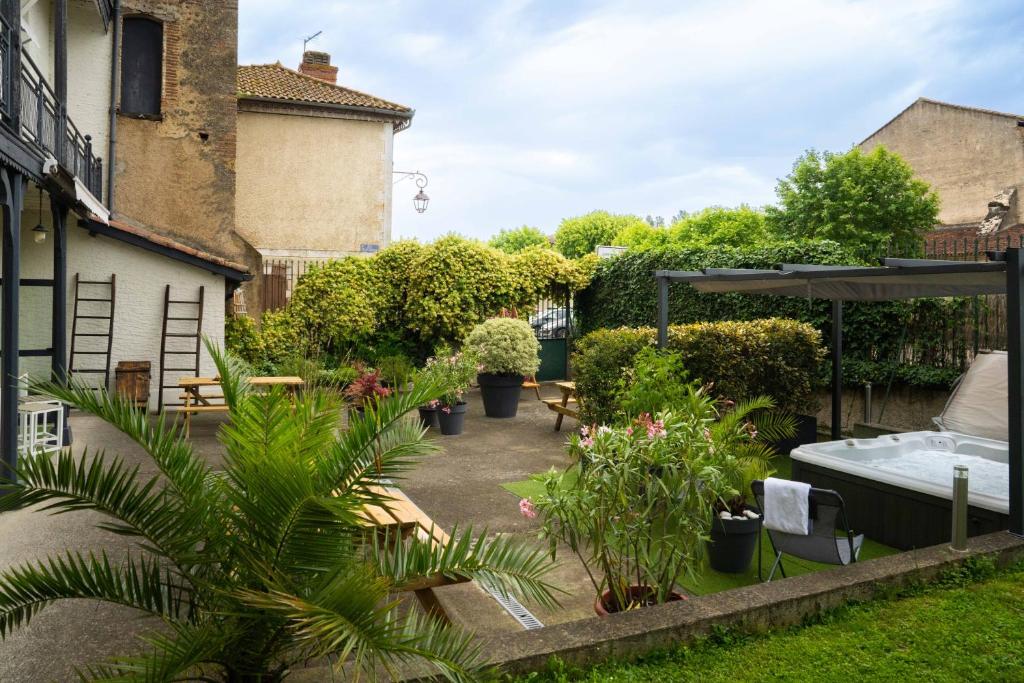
{"x": 776, "y": 357}
{"x": 934, "y": 349}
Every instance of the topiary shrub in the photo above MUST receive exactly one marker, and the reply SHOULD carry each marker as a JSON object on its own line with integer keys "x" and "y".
{"x": 334, "y": 304}
{"x": 773, "y": 357}
{"x": 505, "y": 346}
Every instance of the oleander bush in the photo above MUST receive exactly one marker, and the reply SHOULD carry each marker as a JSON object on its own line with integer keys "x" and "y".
{"x": 505, "y": 346}
{"x": 738, "y": 360}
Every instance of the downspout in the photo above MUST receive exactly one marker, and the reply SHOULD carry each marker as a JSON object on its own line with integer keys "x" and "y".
{"x": 115, "y": 79}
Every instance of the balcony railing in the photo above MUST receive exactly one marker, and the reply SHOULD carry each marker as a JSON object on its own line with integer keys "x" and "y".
{"x": 42, "y": 120}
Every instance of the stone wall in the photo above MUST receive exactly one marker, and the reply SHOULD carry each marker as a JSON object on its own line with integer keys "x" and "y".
{"x": 967, "y": 155}
{"x": 176, "y": 172}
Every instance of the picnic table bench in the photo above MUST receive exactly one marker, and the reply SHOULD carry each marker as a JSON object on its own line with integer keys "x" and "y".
{"x": 196, "y": 401}
{"x": 562, "y": 405}
{"x": 399, "y": 519}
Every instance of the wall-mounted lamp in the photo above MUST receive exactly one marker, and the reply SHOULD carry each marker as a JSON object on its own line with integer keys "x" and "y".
{"x": 421, "y": 199}
{"x": 39, "y": 232}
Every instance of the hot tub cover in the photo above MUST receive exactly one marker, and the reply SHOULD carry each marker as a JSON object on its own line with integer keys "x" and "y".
{"x": 978, "y": 404}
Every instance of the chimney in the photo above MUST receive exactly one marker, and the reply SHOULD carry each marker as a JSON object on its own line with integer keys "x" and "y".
{"x": 318, "y": 65}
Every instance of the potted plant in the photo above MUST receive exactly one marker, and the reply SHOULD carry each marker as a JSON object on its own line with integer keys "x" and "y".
{"x": 507, "y": 350}
{"x": 453, "y": 371}
{"x": 639, "y": 508}
{"x": 396, "y": 372}
{"x": 366, "y": 388}
{"x": 743, "y": 435}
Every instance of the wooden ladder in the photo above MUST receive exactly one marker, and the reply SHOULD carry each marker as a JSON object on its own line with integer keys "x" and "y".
{"x": 88, "y": 324}
{"x": 174, "y": 332}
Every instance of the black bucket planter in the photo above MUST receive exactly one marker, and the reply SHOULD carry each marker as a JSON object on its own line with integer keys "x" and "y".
{"x": 806, "y": 432}
{"x": 451, "y": 419}
{"x": 500, "y": 394}
{"x": 428, "y": 416}
{"x": 732, "y": 544}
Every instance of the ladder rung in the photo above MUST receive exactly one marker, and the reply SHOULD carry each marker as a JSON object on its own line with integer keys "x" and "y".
{"x": 182, "y": 334}
{"x": 195, "y": 320}
{"x": 179, "y": 370}
{"x": 180, "y": 353}
{"x": 87, "y": 370}
{"x": 94, "y": 282}
{"x": 107, "y": 301}
{"x": 90, "y": 353}
{"x": 173, "y": 301}
{"x": 94, "y": 317}
{"x": 92, "y": 334}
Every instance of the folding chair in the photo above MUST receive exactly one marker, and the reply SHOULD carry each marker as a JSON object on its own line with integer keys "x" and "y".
{"x": 828, "y": 517}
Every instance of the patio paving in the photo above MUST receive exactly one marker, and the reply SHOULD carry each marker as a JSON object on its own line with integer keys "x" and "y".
{"x": 459, "y": 486}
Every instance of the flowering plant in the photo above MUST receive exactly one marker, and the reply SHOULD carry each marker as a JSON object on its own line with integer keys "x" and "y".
{"x": 646, "y": 493}
{"x": 366, "y": 388}
{"x": 452, "y": 370}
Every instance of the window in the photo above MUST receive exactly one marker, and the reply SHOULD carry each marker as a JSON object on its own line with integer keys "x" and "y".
{"x": 142, "y": 59}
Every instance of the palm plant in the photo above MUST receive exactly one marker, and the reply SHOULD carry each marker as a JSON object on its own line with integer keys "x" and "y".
{"x": 261, "y": 566}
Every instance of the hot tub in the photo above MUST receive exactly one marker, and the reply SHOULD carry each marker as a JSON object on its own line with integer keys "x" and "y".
{"x": 898, "y": 487}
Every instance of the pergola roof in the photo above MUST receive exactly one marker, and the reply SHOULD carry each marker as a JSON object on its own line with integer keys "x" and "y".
{"x": 894, "y": 279}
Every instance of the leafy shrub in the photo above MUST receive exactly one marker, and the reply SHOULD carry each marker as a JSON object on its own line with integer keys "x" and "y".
{"x": 515, "y": 241}
{"x": 505, "y": 346}
{"x": 390, "y": 279}
{"x": 719, "y": 226}
{"x": 337, "y": 378}
{"x": 333, "y": 303}
{"x": 396, "y": 370}
{"x": 451, "y": 371}
{"x": 655, "y": 381}
{"x": 579, "y": 236}
{"x": 242, "y": 337}
{"x": 280, "y": 338}
{"x": 740, "y": 360}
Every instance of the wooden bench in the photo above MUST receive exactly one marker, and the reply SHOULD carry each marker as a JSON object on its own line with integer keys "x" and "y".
{"x": 562, "y": 405}
{"x": 400, "y": 517}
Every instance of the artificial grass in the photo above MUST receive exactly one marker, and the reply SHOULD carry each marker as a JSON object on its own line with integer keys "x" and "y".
{"x": 708, "y": 580}
{"x": 956, "y": 632}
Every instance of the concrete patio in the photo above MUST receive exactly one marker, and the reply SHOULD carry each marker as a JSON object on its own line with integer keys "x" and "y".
{"x": 459, "y": 486}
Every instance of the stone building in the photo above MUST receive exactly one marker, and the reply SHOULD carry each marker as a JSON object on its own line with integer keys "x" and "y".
{"x": 314, "y": 162}
{"x": 973, "y": 158}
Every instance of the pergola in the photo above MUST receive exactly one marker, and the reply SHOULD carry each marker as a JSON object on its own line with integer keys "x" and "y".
{"x": 894, "y": 279}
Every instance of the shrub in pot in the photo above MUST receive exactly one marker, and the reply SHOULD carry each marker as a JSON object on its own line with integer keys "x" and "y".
{"x": 639, "y": 508}
{"x": 506, "y": 350}
{"x": 453, "y": 371}
{"x": 366, "y": 389}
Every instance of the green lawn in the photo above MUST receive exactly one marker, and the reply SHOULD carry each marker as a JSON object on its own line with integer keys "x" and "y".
{"x": 708, "y": 580}
{"x": 968, "y": 632}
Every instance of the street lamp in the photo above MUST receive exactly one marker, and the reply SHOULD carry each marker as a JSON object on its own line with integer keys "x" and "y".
{"x": 421, "y": 199}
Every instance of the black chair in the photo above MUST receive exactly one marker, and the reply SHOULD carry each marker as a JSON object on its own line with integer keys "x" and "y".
{"x": 830, "y": 541}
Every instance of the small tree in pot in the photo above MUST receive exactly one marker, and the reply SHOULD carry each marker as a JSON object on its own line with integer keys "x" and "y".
{"x": 507, "y": 350}
{"x": 453, "y": 371}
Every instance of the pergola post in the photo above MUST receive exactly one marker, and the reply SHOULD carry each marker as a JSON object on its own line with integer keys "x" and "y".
{"x": 59, "y": 314}
{"x": 1015, "y": 385}
{"x": 837, "y": 369}
{"x": 13, "y": 198}
{"x": 662, "y": 312}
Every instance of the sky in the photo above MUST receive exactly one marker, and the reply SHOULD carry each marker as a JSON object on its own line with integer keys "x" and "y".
{"x": 528, "y": 112}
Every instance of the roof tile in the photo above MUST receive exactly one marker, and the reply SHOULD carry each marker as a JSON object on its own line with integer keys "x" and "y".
{"x": 279, "y": 82}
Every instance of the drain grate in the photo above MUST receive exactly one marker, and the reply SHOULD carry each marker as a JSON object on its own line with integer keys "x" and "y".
{"x": 514, "y": 607}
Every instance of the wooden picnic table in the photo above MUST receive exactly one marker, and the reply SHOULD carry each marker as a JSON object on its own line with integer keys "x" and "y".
{"x": 399, "y": 518}
{"x": 195, "y": 401}
{"x": 561, "y": 405}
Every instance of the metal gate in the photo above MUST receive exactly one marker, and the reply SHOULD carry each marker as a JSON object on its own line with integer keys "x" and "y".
{"x": 552, "y": 323}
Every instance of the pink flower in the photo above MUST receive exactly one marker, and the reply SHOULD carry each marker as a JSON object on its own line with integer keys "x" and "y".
{"x": 707, "y": 434}
{"x": 656, "y": 429}
{"x": 587, "y": 442}
{"x": 604, "y": 429}
{"x": 629, "y": 431}
{"x": 527, "y": 509}
{"x": 585, "y": 430}
{"x": 433, "y": 403}
{"x": 447, "y": 410}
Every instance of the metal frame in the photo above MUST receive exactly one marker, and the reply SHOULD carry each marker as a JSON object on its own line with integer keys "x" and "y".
{"x": 789, "y": 280}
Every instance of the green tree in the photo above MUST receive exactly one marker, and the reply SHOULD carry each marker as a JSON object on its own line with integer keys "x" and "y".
{"x": 515, "y": 241}
{"x": 640, "y": 236}
{"x": 579, "y": 236}
{"x": 256, "y": 569}
{"x": 869, "y": 200}
{"x": 721, "y": 226}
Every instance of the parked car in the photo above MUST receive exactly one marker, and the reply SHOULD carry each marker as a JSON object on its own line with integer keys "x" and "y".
{"x": 550, "y": 324}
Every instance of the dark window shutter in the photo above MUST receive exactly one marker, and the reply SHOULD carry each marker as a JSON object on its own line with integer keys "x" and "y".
{"x": 142, "y": 60}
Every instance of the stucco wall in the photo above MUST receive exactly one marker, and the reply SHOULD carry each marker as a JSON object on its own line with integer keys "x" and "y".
{"x": 967, "y": 155}
{"x": 138, "y": 314}
{"x": 177, "y": 174}
{"x": 313, "y": 184}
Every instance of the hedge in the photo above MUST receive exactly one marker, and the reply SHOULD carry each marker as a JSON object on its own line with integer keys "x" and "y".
{"x": 776, "y": 357}
{"x": 623, "y": 293}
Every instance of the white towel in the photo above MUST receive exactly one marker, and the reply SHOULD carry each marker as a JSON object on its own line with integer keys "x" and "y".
{"x": 786, "y": 506}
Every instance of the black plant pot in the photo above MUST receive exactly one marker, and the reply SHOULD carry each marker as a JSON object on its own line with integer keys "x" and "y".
{"x": 732, "y": 544}
{"x": 806, "y": 432}
{"x": 429, "y": 417}
{"x": 451, "y": 419}
{"x": 500, "y": 394}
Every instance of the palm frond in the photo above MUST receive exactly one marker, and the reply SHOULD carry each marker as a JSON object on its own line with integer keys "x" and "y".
{"x": 140, "y": 508}
{"x": 509, "y": 565}
{"x": 25, "y": 590}
{"x": 176, "y": 655}
{"x": 233, "y": 371}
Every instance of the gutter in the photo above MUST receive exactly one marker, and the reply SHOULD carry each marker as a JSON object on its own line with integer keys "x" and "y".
{"x": 115, "y": 78}
{"x": 406, "y": 115}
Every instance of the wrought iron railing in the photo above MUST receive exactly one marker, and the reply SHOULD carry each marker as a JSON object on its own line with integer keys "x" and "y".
{"x": 42, "y": 123}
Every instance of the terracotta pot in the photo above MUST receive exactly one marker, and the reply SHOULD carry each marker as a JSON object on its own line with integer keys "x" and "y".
{"x": 601, "y": 605}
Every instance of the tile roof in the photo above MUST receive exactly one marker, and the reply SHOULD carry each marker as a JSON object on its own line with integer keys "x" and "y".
{"x": 274, "y": 81}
